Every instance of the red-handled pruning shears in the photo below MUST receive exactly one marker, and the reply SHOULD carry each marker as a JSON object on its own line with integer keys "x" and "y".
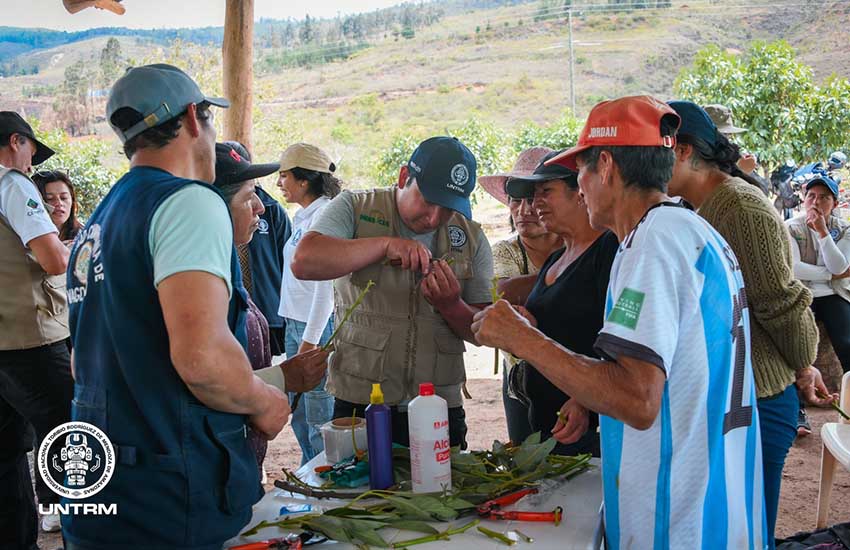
{"x": 292, "y": 541}
{"x": 289, "y": 542}
{"x": 492, "y": 509}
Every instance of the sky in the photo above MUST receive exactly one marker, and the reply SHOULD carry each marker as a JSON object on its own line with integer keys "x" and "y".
{"x": 147, "y": 14}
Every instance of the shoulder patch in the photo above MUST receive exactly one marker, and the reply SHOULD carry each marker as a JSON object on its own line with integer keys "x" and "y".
{"x": 626, "y": 311}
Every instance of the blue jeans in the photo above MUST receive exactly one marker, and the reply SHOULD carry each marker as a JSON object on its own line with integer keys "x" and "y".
{"x": 316, "y": 406}
{"x": 778, "y": 423}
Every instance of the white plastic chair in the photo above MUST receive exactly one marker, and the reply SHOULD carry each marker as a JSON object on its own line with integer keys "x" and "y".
{"x": 835, "y": 437}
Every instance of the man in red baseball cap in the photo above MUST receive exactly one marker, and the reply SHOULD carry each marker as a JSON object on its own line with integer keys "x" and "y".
{"x": 681, "y": 452}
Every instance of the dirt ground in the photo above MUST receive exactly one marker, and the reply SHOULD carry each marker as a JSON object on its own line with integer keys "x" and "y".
{"x": 485, "y": 417}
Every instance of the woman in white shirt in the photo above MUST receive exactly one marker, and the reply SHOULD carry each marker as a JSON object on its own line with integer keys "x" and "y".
{"x": 306, "y": 179}
{"x": 821, "y": 255}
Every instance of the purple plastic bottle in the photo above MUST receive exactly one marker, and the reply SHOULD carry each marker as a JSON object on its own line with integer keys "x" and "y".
{"x": 380, "y": 435}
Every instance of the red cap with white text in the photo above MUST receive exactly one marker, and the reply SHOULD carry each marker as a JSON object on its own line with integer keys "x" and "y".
{"x": 632, "y": 120}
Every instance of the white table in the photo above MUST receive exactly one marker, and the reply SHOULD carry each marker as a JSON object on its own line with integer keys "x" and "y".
{"x": 581, "y": 528}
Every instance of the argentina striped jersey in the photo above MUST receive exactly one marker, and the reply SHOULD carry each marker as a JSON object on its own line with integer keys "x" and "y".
{"x": 676, "y": 299}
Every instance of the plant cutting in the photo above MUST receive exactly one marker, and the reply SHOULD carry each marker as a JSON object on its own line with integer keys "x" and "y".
{"x": 347, "y": 314}
{"x": 832, "y": 404}
{"x": 495, "y": 296}
{"x": 329, "y": 344}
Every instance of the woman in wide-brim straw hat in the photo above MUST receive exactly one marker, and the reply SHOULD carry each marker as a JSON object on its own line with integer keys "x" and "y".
{"x": 516, "y": 261}
{"x": 307, "y": 179}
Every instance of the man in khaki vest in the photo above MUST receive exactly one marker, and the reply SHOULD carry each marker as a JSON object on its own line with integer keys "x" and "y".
{"x": 35, "y": 368}
{"x": 431, "y": 265}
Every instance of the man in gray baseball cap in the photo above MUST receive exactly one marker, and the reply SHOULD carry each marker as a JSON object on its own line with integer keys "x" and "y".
{"x": 157, "y": 315}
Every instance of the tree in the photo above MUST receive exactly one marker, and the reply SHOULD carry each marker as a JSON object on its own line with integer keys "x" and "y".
{"x": 308, "y": 32}
{"x": 560, "y": 134}
{"x": 110, "y": 63}
{"x": 775, "y": 97}
{"x": 72, "y": 106}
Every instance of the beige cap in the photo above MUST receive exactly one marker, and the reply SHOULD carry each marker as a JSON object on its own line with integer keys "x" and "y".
{"x": 308, "y": 157}
{"x": 721, "y": 115}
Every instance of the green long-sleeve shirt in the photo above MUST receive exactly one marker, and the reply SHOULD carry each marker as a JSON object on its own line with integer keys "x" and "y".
{"x": 784, "y": 333}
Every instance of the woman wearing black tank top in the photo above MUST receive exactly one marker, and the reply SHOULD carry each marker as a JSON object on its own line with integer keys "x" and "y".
{"x": 567, "y": 302}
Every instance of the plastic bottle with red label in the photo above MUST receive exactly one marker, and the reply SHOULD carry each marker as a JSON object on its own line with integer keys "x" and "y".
{"x": 430, "y": 450}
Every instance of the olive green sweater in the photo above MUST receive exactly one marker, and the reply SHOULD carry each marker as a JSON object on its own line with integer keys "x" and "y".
{"x": 784, "y": 334}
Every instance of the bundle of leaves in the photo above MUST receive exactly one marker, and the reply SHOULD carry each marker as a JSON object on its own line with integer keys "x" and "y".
{"x": 477, "y": 477}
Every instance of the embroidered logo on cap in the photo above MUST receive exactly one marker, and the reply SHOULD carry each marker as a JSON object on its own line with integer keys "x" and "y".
{"x": 460, "y": 174}
{"x": 235, "y": 156}
{"x": 602, "y": 132}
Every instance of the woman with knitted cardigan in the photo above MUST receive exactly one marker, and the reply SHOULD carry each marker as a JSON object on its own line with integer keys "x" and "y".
{"x": 784, "y": 334}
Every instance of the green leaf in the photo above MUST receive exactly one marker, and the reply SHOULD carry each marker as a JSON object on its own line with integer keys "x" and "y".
{"x": 348, "y": 512}
{"x": 367, "y": 535}
{"x": 416, "y": 526}
{"x": 457, "y": 503}
{"x": 533, "y": 439}
{"x": 530, "y": 457}
{"x": 407, "y": 510}
{"x": 433, "y": 506}
{"x": 331, "y": 527}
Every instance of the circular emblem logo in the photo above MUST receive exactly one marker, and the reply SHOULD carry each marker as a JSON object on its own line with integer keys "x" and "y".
{"x": 460, "y": 175}
{"x": 263, "y": 226}
{"x": 81, "y": 265}
{"x": 834, "y": 233}
{"x": 76, "y": 460}
{"x": 457, "y": 236}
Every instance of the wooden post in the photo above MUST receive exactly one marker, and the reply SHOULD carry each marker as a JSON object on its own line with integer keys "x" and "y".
{"x": 237, "y": 51}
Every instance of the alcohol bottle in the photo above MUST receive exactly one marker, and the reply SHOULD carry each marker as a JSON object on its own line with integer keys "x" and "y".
{"x": 430, "y": 452}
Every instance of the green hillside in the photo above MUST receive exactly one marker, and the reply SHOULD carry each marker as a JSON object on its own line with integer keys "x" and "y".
{"x": 502, "y": 67}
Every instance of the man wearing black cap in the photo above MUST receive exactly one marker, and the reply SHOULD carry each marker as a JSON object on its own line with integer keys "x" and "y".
{"x": 35, "y": 377}
{"x": 410, "y": 328}
{"x": 157, "y": 313}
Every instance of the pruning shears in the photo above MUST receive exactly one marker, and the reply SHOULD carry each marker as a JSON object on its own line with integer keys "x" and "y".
{"x": 492, "y": 509}
{"x": 339, "y": 466}
{"x": 292, "y": 541}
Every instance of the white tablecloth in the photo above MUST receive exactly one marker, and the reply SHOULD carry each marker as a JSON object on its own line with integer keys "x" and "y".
{"x": 581, "y": 528}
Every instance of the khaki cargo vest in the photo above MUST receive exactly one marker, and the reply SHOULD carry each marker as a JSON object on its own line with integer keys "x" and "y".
{"x": 801, "y": 233}
{"x": 395, "y": 337}
{"x": 33, "y": 306}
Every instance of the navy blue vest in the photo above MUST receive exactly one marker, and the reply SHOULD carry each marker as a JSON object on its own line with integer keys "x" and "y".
{"x": 185, "y": 476}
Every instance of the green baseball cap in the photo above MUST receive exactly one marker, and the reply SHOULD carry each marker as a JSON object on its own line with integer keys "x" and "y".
{"x": 158, "y": 93}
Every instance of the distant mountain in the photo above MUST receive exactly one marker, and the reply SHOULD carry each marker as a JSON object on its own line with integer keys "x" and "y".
{"x": 15, "y": 41}
{"x": 268, "y": 33}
